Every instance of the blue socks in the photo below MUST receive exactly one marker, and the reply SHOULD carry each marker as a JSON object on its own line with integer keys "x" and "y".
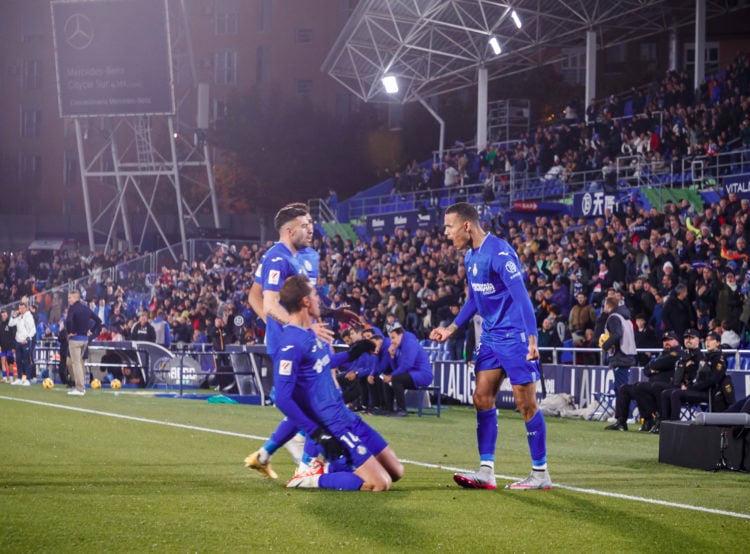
{"x": 283, "y": 434}
{"x": 487, "y": 434}
{"x": 342, "y": 481}
{"x": 536, "y": 434}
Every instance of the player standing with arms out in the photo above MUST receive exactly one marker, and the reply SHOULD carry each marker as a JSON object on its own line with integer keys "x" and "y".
{"x": 508, "y": 345}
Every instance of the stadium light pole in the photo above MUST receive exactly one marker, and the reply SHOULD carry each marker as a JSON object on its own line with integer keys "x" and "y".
{"x": 441, "y": 122}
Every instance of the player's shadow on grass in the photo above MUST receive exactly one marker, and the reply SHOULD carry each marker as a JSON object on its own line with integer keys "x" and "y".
{"x": 637, "y": 526}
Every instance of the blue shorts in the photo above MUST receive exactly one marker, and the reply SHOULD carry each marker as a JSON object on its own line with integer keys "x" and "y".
{"x": 510, "y": 355}
{"x": 360, "y": 442}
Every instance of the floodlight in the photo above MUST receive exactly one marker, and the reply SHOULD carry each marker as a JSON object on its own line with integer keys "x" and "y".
{"x": 495, "y": 44}
{"x": 391, "y": 84}
{"x": 515, "y": 18}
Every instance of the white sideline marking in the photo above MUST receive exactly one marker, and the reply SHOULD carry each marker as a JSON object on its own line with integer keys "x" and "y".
{"x": 133, "y": 418}
{"x": 411, "y": 462}
{"x": 599, "y": 493}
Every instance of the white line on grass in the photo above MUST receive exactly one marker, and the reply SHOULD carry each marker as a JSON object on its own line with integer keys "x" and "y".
{"x": 600, "y": 493}
{"x": 411, "y": 462}
{"x": 133, "y": 418}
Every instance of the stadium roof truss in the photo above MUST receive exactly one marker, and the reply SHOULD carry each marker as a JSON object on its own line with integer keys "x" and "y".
{"x": 436, "y": 46}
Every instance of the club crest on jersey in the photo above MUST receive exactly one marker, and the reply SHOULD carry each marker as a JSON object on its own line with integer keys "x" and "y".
{"x": 273, "y": 276}
{"x": 285, "y": 367}
{"x": 510, "y": 267}
{"x": 474, "y": 270}
{"x": 308, "y": 265}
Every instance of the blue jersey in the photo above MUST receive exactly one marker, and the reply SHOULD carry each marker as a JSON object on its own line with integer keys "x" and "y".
{"x": 277, "y": 264}
{"x": 497, "y": 292}
{"x": 305, "y": 391}
{"x": 411, "y": 358}
{"x": 310, "y": 261}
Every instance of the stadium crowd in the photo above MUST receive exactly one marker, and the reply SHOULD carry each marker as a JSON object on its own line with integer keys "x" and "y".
{"x": 685, "y": 266}
{"x": 666, "y": 126}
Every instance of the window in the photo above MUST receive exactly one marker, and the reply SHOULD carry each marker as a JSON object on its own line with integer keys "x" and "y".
{"x": 226, "y": 23}
{"x": 302, "y": 36}
{"x": 711, "y": 57}
{"x": 70, "y": 166}
{"x": 225, "y": 68}
{"x": 265, "y": 8}
{"x": 648, "y": 51}
{"x": 31, "y": 78}
{"x": 29, "y": 170}
{"x": 30, "y": 122}
{"x": 262, "y": 64}
{"x": 304, "y": 86}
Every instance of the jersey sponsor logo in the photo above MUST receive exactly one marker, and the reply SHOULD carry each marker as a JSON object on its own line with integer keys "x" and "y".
{"x": 287, "y": 347}
{"x": 321, "y": 363}
{"x": 277, "y": 259}
{"x": 285, "y": 367}
{"x": 273, "y": 276}
{"x": 484, "y": 288}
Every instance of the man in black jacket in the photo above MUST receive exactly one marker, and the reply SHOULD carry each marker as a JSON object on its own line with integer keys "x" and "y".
{"x": 711, "y": 371}
{"x": 684, "y": 373}
{"x": 143, "y": 330}
{"x": 659, "y": 371}
{"x": 678, "y": 314}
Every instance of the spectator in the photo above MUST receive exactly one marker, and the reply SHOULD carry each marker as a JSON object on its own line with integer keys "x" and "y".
{"x": 143, "y": 330}
{"x": 25, "y": 331}
{"x": 678, "y": 314}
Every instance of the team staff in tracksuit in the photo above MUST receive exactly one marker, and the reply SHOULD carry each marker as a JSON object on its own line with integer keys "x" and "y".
{"x": 411, "y": 367}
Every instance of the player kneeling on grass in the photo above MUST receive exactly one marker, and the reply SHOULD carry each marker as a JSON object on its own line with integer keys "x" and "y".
{"x": 307, "y": 395}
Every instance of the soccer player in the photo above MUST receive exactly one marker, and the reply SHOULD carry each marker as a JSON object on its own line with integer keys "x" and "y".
{"x": 291, "y": 255}
{"x": 508, "y": 345}
{"x": 309, "y": 398}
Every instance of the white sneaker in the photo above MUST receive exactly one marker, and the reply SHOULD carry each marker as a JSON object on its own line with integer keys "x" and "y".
{"x": 25, "y": 383}
{"x": 539, "y": 479}
{"x": 296, "y": 447}
{"x": 76, "y": 392}
{"x": 307, "y": 476}
{"x": 478, "y": 480}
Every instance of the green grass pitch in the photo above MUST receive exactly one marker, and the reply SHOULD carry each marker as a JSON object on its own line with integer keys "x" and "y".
{"x": 85, "y": 481}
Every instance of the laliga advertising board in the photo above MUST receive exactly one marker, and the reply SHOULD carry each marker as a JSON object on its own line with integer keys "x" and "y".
{"x": 112, "y": 57}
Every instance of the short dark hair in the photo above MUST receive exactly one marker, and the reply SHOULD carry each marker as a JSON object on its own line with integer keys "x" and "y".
{"x": 294, "y": 289}
{"x": 289, "y": 213}
{"x": 464, "y": 210}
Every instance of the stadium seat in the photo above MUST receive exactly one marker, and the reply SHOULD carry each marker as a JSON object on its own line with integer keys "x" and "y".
{"x": 424, "y": 405}
{"x": 605, "y": 405}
